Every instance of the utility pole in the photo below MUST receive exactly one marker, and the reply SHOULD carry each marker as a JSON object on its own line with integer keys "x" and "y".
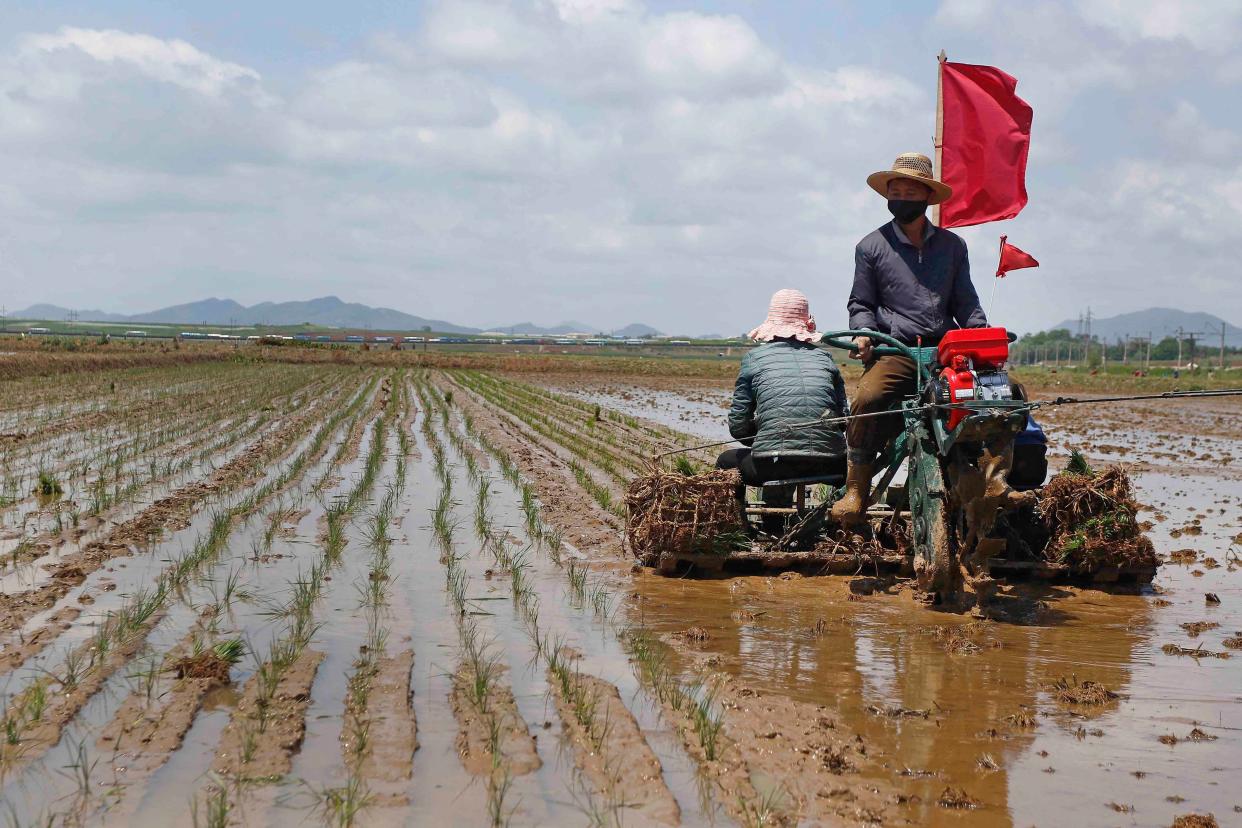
{"x": 1222, "y": 342}
{"x": 1125, "y": 351}
{"x": 1086, "y": 338}
{"x": 1190, "y": 337}
{"x": 1147, "y": 361}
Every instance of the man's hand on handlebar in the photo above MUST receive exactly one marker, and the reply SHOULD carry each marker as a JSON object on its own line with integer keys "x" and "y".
{"x": 863, "y": 349}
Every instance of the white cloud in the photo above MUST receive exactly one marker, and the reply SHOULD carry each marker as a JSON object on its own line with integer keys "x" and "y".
{"x": 169, "y": 61}
{"x": 964, "y": 13}
{"x": 693, "y": 54}
{"x": 586, "y": 158}
{"x": 470, "y": 32}
{"x": 591, "y": 11}
{"x": 1214, "y": 25}
{"x": 1190, "y": 136}
{"x": 370, "y": 96}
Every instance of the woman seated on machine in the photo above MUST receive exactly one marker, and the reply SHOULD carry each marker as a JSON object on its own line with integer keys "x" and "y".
{"x": 785, "y": 385}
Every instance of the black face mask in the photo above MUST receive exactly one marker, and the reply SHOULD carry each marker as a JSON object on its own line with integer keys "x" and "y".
{"x": 906, "y": 211}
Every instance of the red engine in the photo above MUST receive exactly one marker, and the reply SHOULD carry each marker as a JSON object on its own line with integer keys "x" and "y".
{"x": 984, "y": 347}
{"x": 974, "y": 368}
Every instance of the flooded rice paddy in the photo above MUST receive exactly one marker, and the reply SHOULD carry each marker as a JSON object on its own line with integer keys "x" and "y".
{"x": 953, "y": 703}
{"x": 281, "y": 595}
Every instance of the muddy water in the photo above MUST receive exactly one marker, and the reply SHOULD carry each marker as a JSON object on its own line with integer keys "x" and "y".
{"x": 805, "y": 638}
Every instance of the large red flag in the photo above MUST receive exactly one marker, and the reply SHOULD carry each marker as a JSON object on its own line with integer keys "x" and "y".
{"x": 1011, "y": 258}
{"x": 984, "y": 141}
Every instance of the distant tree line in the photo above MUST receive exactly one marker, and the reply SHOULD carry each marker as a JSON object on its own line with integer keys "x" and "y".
{"x": 1060, "y": 345}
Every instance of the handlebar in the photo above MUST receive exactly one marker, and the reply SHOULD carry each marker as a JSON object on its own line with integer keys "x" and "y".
{"x": 890, "y": 347}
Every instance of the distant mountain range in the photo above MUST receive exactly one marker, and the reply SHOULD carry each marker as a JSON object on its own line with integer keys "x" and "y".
{"x": 1159, "y": 323}
{"x": 327, "y": 311}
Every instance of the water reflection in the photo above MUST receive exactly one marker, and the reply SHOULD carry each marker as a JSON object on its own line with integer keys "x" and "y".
{"x": 805, "y": 638}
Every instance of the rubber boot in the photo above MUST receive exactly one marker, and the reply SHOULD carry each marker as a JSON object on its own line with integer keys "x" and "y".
{"x": 851, "y": 509}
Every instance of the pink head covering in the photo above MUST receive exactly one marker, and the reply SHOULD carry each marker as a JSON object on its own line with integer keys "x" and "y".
{"x": 788, "y": 316}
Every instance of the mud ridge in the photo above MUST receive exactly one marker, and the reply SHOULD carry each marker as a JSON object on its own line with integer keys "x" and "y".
{"x": 517, "y": 749}
{"x": 269, "y": 754}
{"x": 620, "y": 765}
{"x": 562, "y": 501}
{"x": 389, "y": 758}
{"x": 16, "y": 655}
{"x": 799, "y": 744}
{"x": 42, "y": 734}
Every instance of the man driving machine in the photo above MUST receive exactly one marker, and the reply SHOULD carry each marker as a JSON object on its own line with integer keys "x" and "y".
{"x": 912, "y": 282}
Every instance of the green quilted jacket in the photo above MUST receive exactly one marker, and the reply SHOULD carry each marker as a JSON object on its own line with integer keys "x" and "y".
{"x": 784, "y": 382}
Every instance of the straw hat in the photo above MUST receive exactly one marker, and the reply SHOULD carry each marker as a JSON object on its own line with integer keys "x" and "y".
{"x": 789, "y": 315}
{"x": 916, "y": 167}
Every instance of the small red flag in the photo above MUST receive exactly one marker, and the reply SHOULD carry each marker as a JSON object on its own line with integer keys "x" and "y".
{"x": 984, "y": 142}
{"x": 1011, "y": 258}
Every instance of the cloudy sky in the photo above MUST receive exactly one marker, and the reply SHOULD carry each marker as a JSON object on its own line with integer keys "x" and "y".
{"x": 603, "y": 160}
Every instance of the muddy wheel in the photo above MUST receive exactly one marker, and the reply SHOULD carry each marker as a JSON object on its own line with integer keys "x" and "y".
{"x": 935, "y": 569}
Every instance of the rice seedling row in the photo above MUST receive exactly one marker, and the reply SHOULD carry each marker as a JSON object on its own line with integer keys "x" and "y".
{"x": 144, "y": 529}
{"x": 198, "y": 569}
{"x": 118, "y": 497}
{"x": 396, "y": 626}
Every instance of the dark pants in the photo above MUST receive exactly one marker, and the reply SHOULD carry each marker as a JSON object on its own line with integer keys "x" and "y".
{"x": 884, "y": 384}
{"x": 759, "y": 470}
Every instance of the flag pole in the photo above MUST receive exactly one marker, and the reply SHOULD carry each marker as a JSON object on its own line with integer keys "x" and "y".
{"x": 996, "y": 280}
{"x": 939, "y": 139}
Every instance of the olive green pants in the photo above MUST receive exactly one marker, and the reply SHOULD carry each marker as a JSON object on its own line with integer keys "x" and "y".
{"x": 885, "y": 382}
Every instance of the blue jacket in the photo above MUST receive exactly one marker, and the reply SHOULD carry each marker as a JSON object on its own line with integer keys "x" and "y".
{"x": 784, "y": 382}
{"x": 906, "y": 292}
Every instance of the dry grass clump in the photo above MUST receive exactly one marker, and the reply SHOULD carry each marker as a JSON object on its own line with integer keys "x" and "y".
{"x": 1195, "y": 821}
{"x": 678, "y": 513}
{"x": 1024, "y": 718}
{"x": 206, "y": 665}
{"x": 1196, "y": 652}
{"x": 1234, "y": 642}
{"x": 1091, "y": 520}
{"x": 898, "y": 712}
{"x": 1084, "y": 693}
{"x": 1193, "y": 628}
{"x": 964, "y": 639}
{"x": 212, "y": 663}
{"x": 956, "y": 798}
